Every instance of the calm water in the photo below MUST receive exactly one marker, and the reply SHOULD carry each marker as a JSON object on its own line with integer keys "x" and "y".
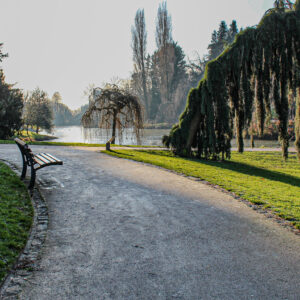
{"x": 151, "y": 137}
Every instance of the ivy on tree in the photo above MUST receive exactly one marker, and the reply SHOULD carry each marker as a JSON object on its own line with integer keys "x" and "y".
{"x": 263, "y": 61}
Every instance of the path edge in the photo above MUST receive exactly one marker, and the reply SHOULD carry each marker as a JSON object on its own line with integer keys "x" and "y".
{"x": 26, "y": 263}
{"x": 269, "y": 214}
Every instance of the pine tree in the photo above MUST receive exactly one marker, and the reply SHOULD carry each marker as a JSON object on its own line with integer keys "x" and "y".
{"x": 11, "y": 105}
{"x": 213, "y": 51}
{"x": 233, "y": 31}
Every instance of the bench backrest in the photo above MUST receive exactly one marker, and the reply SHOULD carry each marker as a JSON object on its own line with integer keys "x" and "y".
{"x": 25, "y": 150}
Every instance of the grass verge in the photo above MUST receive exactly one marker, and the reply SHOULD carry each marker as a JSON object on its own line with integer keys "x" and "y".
{"x": 55, "y": 143}
{"x": 33, "y": 136}
{"x": 16, "y": 215}
{"x": 46, "y": 143}
{"x": 262, "y": 178}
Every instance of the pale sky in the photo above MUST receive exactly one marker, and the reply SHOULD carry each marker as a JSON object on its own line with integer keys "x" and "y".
{"x": 65, "y": 45}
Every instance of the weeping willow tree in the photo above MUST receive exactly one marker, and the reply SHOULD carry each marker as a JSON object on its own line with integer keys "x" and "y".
{"x": 262, "y": 64}
{"x": 114, "y": 108}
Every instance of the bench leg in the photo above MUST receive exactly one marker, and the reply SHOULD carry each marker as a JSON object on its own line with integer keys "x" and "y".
{"x": 24, "y": 169}
{"x": 32, "y": 179}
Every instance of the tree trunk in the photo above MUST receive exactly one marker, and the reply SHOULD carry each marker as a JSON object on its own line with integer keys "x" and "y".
{"x": 37, "y": 129}
{"x": 145, "y": 93}
{"x": 239, "y": 131}
{"x": 114, "y": 126}
{"x": 252, "y": 140}
{"x": 192, "y": 131}
{"x": 297, "y": 124}
{"x": 251, "y": 136}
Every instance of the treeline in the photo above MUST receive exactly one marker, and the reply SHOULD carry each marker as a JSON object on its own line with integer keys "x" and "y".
{"x": 41, "y": 112}
{"x": 32, "y": 110}
{"x": 11, "y": 105}
{"x": 162, "y": 79}
{"x": 63, "y": 115}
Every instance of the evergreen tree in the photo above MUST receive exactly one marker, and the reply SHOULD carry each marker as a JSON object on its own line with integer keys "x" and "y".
{"x": 11, "y": 105}
{"x": 221, "y": 38}
{"x": 233, "y": 31}
{"x": 38, "y": 111}
{"x": 213, "y": 51}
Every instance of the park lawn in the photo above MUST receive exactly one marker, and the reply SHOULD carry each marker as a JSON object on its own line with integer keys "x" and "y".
{"x": 262, "y": 178}
{"x": 33, "y": 136}
{"x": 16, "y": 215}
{"x": 46, "y": 143}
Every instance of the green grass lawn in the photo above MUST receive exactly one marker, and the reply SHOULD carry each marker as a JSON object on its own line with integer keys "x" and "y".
{"x": 16, "y": 215}
{"x": 33, "y": 136}
{"x": 56, "y": 143}
{"x": 262, "y": 178}
{"x": 76, "y": 144}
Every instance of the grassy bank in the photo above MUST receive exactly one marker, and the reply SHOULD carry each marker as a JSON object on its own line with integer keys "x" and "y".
{"x": 33, "y": 136}
{"x": 16, "y": 214}
{"x": 75, "y": 144}
{"x": 56, "y": 143}
{"x": 259, "y": 177}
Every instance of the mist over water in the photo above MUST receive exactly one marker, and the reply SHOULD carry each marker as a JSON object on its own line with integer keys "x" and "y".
{"x": 151, "y": 137}
{"x": 77, "y": 134}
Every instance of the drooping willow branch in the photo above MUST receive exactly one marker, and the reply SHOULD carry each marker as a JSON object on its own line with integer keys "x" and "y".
{"x": 115, "y": 108}
{"x": 259, "y": 67}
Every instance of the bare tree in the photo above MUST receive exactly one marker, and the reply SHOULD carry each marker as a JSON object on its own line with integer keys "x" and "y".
{"x": 163, "y": 26}
{"x": 165, "y": 47}
{"x": 116, "y": 108}
{"x": 139, "y": 42}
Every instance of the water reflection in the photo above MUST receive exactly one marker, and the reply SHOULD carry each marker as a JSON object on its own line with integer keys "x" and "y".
{"x": 151, "y": 137}
{"x": 77, "y": 134}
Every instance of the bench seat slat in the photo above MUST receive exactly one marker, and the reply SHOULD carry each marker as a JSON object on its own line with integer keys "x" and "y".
{"x": 38, "y": 161}
{"x": 42, "y": 158}
{"x": 53, "y": 157}
{"x": 47, "y": 155}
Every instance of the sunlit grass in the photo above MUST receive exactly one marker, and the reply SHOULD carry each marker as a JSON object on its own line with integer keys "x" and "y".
{"x": 32, "y": 136}
{"x": 260, "y": 177}
{"x": 46, "y": 143}
{"x": 16, "y": 214}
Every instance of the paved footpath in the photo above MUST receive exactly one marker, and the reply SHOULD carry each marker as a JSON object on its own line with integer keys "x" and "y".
{"x": 123, "y": 230}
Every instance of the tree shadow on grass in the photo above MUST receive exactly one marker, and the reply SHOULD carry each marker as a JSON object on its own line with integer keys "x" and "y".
{"x": 120, "y": 153}
{"x": 244, "y": 169}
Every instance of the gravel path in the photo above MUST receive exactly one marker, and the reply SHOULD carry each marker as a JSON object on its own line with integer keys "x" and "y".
{"x": 123, "y": 230}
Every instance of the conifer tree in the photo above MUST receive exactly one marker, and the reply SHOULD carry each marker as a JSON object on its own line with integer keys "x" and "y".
{"x": 233, "y": 31}
{"x": 11, "y": 105}
{"x": 260, "y": 61}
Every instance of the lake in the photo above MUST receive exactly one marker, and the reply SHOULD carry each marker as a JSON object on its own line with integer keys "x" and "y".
{"x": 76, "y": 134}
{"x": 151, "y": 137}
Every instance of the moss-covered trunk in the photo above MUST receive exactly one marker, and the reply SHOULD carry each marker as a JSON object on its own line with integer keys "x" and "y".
{"x": 297, "y": 124}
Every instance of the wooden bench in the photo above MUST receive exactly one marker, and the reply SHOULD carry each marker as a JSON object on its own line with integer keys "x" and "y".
{"x": 34, "y": 161}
